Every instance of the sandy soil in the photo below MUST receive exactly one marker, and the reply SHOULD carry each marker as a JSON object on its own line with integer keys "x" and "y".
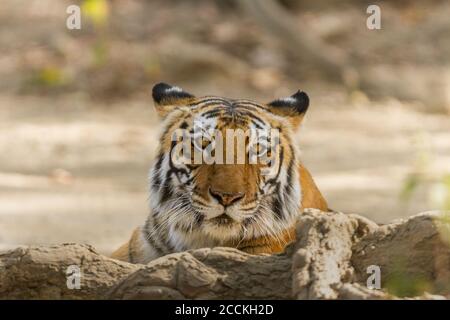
{"x": 76, "y": 171}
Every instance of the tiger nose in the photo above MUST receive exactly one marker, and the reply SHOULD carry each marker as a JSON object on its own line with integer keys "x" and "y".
{"x": 226, "y": 198}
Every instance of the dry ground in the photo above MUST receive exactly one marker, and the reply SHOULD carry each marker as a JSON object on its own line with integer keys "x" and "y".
{"x": 72, "y": 170}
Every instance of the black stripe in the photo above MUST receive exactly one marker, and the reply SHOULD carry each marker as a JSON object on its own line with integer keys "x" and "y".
{"x": 167, "y": 129}
{"x": 208, "y": 102}
{"x": 173, "y": 168}
{"x": 288, "y": 187}
{"x": 166, "y": 193}
{"x": 198, "y": 218}
{"x": 274, "y": 180}
{"x": 153, "y": 244}
{"x": 213, "y": 114}
{"x": 253, "y": 116}
{"x": 246, "y": 107}
{"x": 257, "y": 125}
{"x": 205, "y": 99}
{"x": 165, "y": 241}
{"x": 183, "y": 125}
{"x": 150, "y": 240}
{"x": 247, "y": 221}
{"x": 182, "y": 227}
{"x": 156, "y": 171}
{"x": 249, "y": 103}
{"x": 276, "y": 205}
{"x": 130, "y": 255}
{"x": 162, "y": 236}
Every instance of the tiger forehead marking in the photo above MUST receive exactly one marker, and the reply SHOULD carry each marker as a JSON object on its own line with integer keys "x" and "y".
{"x": 236, "y": 116}
{"x": 228, "y": 110}
{"x": 246, "y": 205}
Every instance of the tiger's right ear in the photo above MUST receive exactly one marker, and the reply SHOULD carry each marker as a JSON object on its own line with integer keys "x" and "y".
{"x": 167, "y": 97}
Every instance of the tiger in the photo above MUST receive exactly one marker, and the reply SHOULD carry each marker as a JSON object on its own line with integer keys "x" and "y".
{"x": 252, "y": 207}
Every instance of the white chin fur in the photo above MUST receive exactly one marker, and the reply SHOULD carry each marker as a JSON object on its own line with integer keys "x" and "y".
{"x": 221, "y": 233}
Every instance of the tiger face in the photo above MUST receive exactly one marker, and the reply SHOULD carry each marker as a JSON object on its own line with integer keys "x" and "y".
{"x": 226, "y": 169}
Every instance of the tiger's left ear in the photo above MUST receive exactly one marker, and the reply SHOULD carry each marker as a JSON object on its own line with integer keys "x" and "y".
{"x": 294, "y": 107}
{"x": 167, "y": 97}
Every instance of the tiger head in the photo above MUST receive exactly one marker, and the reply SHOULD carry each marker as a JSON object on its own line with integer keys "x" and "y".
{"x": 232, "y": 198}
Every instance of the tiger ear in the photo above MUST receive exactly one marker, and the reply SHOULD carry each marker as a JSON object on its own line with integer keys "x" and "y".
{"x": 294, "y": 107}
{"x": 167, "y": 97}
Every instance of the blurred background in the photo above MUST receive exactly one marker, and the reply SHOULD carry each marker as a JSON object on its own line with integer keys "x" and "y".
{"x": 78, "y": 131}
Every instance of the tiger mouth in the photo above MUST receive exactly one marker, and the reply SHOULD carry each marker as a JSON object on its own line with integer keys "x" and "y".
{"x": 223, "y": 219}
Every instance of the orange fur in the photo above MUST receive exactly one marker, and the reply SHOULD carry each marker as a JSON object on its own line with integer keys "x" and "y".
{"x": 131, "y": 250}
{"x": 311, "y": 196}
{"x": 268, "y": 244}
